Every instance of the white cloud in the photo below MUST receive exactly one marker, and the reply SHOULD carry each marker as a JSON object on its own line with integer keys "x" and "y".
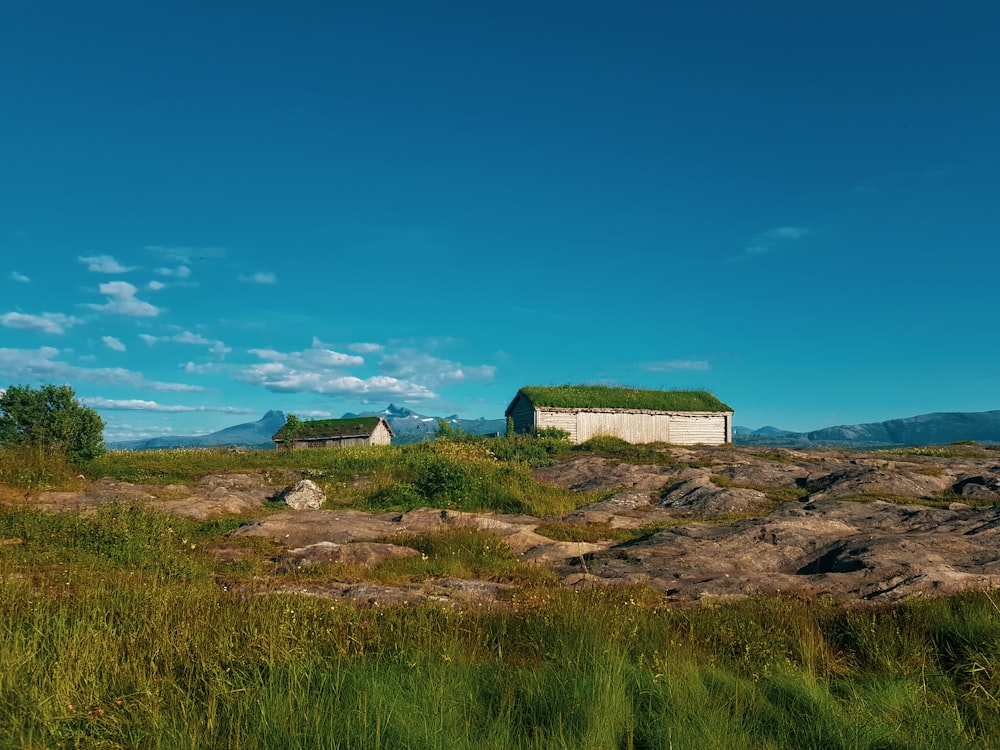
{"x": 281, "y": 380}
{"x": 155, "y": 286}
{"x": 317, "y": 357}
{"x": 186, "y": 337}
{"x": 112, "y": 343}
{"x": 407, "y": 373}
{"x": 149, "y": 339}
{"x": 316, "y": 370}
{"x": 366, "y": 348}
{"x": 178, "y": 272}
{"x": 260, "y": 277}
{"x": 16, "y": 276}
{"x": 103, "y": 264}
{"x": 42, "y": 366}
{"x": 46, "y": 322}
{"x": 220, "y": 350}
{"x": 432, "y": 371}
{"x": 122, "y": 301}
{"x": 671, "y": 365}
{"x": 772, "y": 239}
{"x": 314, "y": 414}
{"x": 206, "y": 368}
{"x": 141, "y": 405}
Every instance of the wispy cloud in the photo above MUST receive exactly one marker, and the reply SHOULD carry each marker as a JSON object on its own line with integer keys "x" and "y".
{"x": 261, "y": 277}
{"x": 320, "y": 370}
{"x": 673, "y": 365}
{"x": 122, "y": 301}
{"x": 45, "y": 323}
{"x": 17, "y": 276}
{"x": 314, "y": 358}
{"x": 433, "y": 371}
{"x": 773, "y": 239}
{"x": 155, "y": 286}
{"x": 366, "y": 348}
{"x": 216, "y": 348}
{"x": 184, "y": 255}
{"x": 103, "y": 264}
{"x": 43, "y": 366}
{"x": 178, "y": 272}
{"x": 141, "y": 405}
{"x": 112, "y": 343}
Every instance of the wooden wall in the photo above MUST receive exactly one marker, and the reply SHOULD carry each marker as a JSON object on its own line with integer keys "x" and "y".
{"x": 522, "y": 412}
{"x": 687, "y": 428}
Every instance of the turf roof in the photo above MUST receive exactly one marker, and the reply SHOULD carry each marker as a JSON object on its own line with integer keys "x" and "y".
{"x": 316, "y": 428}
{"x": 608, "y": 397}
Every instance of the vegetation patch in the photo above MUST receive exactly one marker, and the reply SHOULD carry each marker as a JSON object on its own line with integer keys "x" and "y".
{"x": 564, "y": 531}
{"x": 774, "y": 494}
{"x": 656, "y": 454}
{"x": 460, "y": 553}
{"x": 961, "y": 449}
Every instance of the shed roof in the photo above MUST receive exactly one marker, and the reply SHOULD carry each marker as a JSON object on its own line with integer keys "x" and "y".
{"x": 610, "y": 397}
{"x": 315, "y": 429}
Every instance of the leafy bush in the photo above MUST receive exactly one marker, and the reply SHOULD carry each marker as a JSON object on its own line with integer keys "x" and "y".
{"x": 52, "y": 418}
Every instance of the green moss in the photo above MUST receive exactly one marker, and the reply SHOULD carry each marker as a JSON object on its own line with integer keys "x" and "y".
{"x": 602, "y": 396}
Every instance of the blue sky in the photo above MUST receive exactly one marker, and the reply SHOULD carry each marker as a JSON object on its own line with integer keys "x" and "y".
{"x": 209, "y": 210}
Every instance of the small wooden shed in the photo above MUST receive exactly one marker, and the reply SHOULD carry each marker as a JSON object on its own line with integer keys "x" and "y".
{"x": 633, "y": 414}
{"x": 334, "y": 433}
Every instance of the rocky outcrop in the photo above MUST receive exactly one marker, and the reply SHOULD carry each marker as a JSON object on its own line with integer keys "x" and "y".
{"x": 721, "y": 522}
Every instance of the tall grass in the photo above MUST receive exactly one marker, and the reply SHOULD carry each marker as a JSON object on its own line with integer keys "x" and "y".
{"x": 146, "y": 661}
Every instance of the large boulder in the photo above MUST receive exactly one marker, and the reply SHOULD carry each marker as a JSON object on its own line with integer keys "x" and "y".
{"x": 304, "y": 495}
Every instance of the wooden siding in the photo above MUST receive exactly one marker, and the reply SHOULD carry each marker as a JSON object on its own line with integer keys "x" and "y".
{"x": 634, "y": 427}
{"x": 690, "y": 429}
{"x": 523, "y": 414}
{"x": 687, "y": 428}
{"x": 560, "y": 420}
{"x": 381, "y": 434}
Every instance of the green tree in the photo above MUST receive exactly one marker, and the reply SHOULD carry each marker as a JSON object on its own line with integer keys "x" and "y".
{"x": 291, "y": 430}
{"x": 50, "y": 417}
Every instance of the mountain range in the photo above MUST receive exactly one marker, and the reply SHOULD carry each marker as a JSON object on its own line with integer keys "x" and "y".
{"x": 408, "y": 426}
{"x": 938, "y": 428}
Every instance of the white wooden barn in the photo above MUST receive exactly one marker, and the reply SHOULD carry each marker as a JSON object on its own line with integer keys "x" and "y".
{"x": 632, "y": 414}
{"x": 335, "y": 433}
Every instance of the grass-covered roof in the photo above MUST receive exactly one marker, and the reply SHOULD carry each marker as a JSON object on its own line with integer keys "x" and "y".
{"x": 609, "y": 397}
{"x": 321, "y": 428}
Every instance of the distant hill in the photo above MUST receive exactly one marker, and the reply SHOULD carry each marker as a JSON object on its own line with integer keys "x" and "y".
{"x": 249, "y": 434}
{"x": 939, "y": 428}
{"x": 408, "y": 426}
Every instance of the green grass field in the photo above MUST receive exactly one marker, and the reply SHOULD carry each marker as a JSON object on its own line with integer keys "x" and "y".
{"x": 118, "y": 630}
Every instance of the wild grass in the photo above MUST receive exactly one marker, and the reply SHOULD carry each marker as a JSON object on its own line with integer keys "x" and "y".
{"x": 961, "y": 449}
{"x": 564, "y": 531}
{"x": 121, "y": 630}
{"x": 144, "y": 659}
